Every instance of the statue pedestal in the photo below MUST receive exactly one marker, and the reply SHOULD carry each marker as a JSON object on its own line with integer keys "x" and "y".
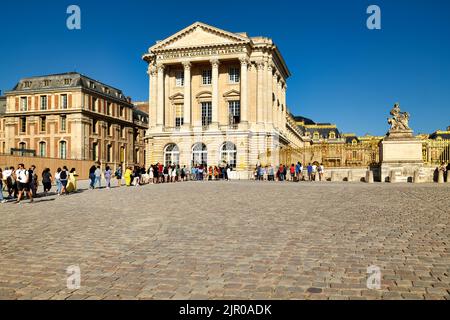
{"x": 401, "y": 156}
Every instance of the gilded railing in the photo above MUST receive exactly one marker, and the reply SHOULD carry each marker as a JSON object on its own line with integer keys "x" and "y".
{"x": 435, "y": 152}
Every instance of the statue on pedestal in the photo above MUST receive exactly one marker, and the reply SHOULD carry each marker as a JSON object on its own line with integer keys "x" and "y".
{"x": 399, "y": 120}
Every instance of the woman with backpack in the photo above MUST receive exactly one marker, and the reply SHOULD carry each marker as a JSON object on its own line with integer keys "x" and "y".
{"x": 64, "y": 176}
{"x": 118, "y": 175}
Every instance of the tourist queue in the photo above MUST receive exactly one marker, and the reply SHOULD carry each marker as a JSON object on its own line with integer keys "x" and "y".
{"x": 292, "y": 173}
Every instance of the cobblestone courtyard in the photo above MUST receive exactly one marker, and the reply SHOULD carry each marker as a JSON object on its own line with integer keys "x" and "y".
{"x": 236, "y": 240}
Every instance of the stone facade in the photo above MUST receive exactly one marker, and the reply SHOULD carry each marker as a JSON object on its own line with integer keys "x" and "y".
{"x": 71, "y": 116}
{"x": 216, "y": 97}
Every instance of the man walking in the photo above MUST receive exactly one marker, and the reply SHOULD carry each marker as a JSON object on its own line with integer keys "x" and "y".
{"x": 92, "y": 176}
{"x": 23, "y": 178}
{"x": 310, "y": 172}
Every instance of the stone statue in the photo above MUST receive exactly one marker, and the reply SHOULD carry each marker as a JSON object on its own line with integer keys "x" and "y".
{"x": 399, "y": 120}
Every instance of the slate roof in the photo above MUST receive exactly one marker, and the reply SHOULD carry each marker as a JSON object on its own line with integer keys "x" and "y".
{"x": 440, "y": 134}
{"x": 68, "y": 80}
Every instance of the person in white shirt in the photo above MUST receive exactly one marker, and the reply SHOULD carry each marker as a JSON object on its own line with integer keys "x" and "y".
{"x": 321, "y": 171}
{"x": 314, "y": 172}
{"x": 23, "y": 179}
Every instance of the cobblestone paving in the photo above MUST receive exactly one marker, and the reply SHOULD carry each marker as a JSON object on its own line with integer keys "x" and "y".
{"x": 236, "y": 240}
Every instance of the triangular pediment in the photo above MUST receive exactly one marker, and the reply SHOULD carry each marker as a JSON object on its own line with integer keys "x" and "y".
{"x": 198, "y": 35}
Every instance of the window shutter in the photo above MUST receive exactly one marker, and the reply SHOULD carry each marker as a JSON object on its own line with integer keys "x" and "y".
{"x": 17, "y": 104}
{"x": 56, "y": 101}
{"x": 49, "y": 102}
{"x": 69, "y": 101}
{"x": 36, "y": 102}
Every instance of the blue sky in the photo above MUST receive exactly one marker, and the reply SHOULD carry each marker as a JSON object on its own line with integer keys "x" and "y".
{"x": 341, "y": 71}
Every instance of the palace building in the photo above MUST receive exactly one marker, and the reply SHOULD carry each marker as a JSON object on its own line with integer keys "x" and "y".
{"x": 218, "y": 97}
{"x": 71, "y": 116}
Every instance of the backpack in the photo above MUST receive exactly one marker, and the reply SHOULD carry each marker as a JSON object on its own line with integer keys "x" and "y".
{"x": 63, "y": 175}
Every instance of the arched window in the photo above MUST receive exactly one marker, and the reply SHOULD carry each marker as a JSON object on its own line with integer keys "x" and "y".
{"x": 332, "y": 135}
{"x": 354, "y": 142}
{"x": 228, "y": 153}
{"x": 62, "y": 149}
{"x": 171, "y": 154}
{"x": 316, "y": 135}
{"x": 199, "y": 154}
{"x": 42, "y": 149}
{"x": 22, "y": 146}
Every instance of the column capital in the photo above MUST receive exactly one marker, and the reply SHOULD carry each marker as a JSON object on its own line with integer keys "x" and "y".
{"x": 151, "y": 70}
{"x": 215, "y": 62}
{"x": 187, "y": 65}
{"x": 260, "y": 65}
{"x": 160, "y": 66}
{"x": 244, "y": 61}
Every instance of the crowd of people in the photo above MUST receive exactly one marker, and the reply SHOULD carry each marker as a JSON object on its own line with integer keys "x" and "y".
{"x": 155, "y": 174}
{"x": 295, "y": 172}
{"x": 21, "y": 182}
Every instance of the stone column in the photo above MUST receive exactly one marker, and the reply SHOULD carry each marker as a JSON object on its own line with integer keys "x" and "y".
{"x": 269, "y": 104}
{"x": 160, "y": 107}
{"x": 215, "y": 91}
{"x": 152, "y": 73}
{"x": 187, "y": 94}
{"x": 274, "y": 106}
{"x": 244, "y": 90}
{"x": 260, "y": 94}
{"x": 283, "y": 98}
{"x": 280, "y": 112}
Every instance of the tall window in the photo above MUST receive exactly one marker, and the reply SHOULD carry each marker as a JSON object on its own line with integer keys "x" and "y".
{"x": 234, "y": 108}
{"x": 64, "y": 101}
{"x": 94, "y": 151}
{"x": 122, "y": 154}
{"x": 179, "y": 78}
{"x": 109, "y": 153}
{"x": 206, "y": 77}
{"x": 94, "y": 126}
{"x": 199, "y": 154}
{"x": 121, "y": 111}
{"x": 22, "y": 146}
{"x": 108, "y": 108}
{"x": 42, "y": 149}
{"x": 171, "y": 154}
{"x": 179, "y": 119}
{"x": 63, "y": 123}
{"x": 234, "y": 75}
{"x": 228, "y": 154}
{"x": 23, "y": 125}
{"x": 63, "y": 150}
{"x": 94, "y": 104}
{"x": 43, "y": 102}
{"x": 43, "y": 124}
{"x": 23, "y": 104}
{"x": 206, "y": 113}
